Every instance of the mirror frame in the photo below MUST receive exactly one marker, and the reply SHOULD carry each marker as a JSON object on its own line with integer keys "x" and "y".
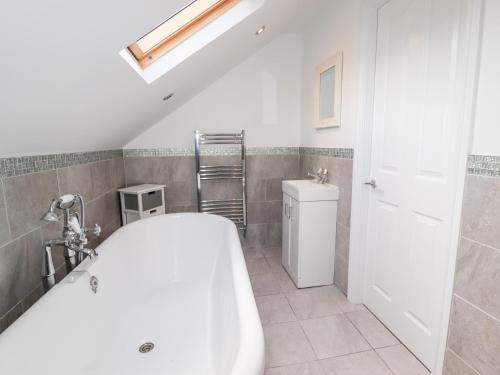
{"x": 329, "y": 122}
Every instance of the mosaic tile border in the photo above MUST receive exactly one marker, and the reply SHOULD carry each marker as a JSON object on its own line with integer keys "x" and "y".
{"x": 343, "y": 153}
{"x": 483, "y": 165}
{"x": 210, "y": 150}
{"x": 16, "y": 166}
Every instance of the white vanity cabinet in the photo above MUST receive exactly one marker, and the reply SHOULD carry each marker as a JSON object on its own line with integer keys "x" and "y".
{"x": 309, "y": 229}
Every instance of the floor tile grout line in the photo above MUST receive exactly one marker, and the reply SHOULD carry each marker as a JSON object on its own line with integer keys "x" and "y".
{"x": 358, "y": 330}
{"x": 378, "y": 320}
{"x": 334, "y": 357}
{"x": 307, "y": 338}
{"x": 410, "y": 352}
{"x": 384, "y": 362}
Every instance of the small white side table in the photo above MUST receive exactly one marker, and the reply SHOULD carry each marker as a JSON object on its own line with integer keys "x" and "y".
{"x": 141, "y": 201}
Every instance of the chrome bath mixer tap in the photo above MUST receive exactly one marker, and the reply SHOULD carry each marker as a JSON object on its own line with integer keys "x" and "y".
{"x": 74, "y": 236}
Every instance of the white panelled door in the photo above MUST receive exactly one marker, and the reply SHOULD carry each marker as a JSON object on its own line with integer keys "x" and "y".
{"x": 414, "y": 163}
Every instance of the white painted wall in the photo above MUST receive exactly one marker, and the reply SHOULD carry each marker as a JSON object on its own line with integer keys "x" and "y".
{"x": 65, "y": 88}
{"x": 261, "y": 95}
{"x": 486, "y": 140}
{"x": 335, "y": 27}
{"x": 271, "y": 93}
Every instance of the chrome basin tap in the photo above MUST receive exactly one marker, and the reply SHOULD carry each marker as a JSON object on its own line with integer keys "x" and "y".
{"x": 74, "y": 236}
{"x": 321, "y": 176}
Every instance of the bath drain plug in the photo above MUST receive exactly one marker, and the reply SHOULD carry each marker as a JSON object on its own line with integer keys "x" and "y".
{"x": 146, "y": 347}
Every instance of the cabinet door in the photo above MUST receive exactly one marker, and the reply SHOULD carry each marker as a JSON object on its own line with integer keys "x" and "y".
{"x": 285, "y": 253}
{"x": 294, "y": 214}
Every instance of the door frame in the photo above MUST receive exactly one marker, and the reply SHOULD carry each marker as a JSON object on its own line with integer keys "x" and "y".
{"x": 472, "y": 29}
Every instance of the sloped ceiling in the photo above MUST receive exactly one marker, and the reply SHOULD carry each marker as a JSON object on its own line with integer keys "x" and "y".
{"x": 64, "y": 87}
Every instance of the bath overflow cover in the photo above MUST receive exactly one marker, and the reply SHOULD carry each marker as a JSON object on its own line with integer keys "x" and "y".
{"x": 146, "y": 347}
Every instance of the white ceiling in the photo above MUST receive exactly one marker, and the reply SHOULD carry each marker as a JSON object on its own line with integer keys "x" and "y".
{"x": 65, "y": 88}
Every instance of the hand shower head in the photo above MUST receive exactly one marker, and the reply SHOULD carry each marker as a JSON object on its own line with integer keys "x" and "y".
{"x": 50, "y": 215}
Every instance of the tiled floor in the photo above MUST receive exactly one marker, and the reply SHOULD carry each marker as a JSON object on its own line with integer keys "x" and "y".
{"x": 317, "y": 331}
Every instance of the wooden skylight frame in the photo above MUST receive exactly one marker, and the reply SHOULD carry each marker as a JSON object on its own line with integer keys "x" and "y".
{"x": 177, "y": 29}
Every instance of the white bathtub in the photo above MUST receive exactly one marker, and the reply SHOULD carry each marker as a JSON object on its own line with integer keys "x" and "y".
{"x": 178, "y": 281}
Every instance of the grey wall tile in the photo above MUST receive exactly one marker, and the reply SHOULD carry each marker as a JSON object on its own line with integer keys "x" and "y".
{"x": 256, "y": 188}
{"x": 32, "y": 297}
{"x": 177, "y": 209}
{"x": 92, "y": 179}
{"x": 112, "y": 212}
{"x": 181, "y": 194}
{"x": 291, "y": 166}
{"x": 274, "y": 190}
{"x": 268, "y": 234}
{"x": 181, "y": 168}
{"x": 76, "y": 179}
{"x": 96, "y": 212}
{"x": 481, "y": 205}
{"x": 118, "y": 175}
{"x": 454, "y": 365}
{"x": 141, "y": 170}
{"x": 307, "y": 164}
{"x": 20, "y": 262}
{"x": 340, "y": 174}
{"x": 10, "y": 317}
{"x": 4, "y": 223}
{"x": 3, "y": 323}
{"x": 219, "y": 160}
{"x": 215, "y": 189}
{"x": 108, "y": 230}
{"x": 341, "y": 274}
{"x": 273, "y": 166}
{"x": 475, "y": 337}
{"x": 102, "y": 177}
{"x": 264, "y": 212}
{"x": 28, "y": 198}
{"x": 342, "y": 242}
{"x": 477, "y": 276}
{"x": 51, "y": 231}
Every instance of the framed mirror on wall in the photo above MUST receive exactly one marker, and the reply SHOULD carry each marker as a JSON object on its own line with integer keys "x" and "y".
{"x": 328, "y": 92}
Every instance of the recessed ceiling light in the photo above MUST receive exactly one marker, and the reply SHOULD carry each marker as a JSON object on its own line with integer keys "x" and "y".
{"x": 260, "y": 31}
{"x": 165, "y": 98}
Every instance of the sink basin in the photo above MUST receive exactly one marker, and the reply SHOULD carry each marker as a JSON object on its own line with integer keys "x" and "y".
{"x": 310, "y": 191}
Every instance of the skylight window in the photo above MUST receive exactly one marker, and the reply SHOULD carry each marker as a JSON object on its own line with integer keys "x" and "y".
{"x": 177, "y": 28}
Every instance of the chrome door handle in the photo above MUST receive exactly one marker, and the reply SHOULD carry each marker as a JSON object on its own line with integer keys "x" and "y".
{"x": 372, "y": 183}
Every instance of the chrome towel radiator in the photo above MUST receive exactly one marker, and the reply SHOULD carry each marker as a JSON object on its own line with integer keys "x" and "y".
{"x": 233, "y": 208}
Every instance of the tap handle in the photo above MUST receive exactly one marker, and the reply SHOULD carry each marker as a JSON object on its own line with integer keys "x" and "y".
{"x": 96, "y": 230}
